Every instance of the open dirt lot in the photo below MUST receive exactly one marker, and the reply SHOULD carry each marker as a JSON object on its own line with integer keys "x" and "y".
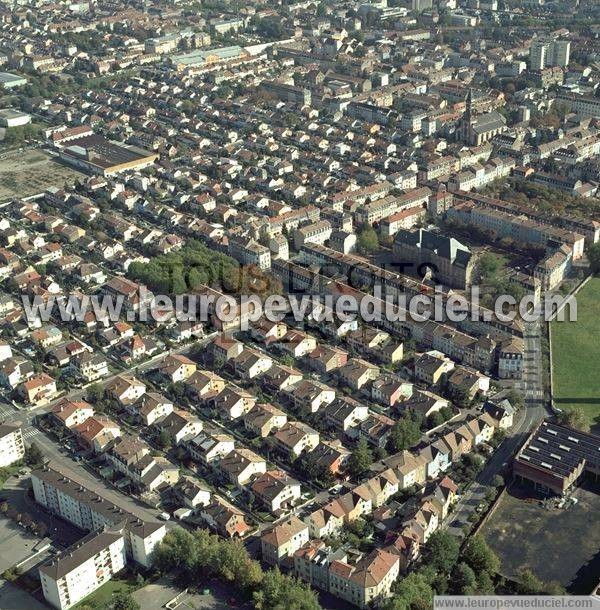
{"x": 27, "y": 173}
{"x": 561, "y": 545}
{"x": 157, "y": 595}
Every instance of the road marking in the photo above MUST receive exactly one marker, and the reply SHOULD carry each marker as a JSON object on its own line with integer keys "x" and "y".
{"x": 6, "y": 410}
{"x": 30, "y": 433}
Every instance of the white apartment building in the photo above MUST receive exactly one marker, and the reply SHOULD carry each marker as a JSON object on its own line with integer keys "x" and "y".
{"x": 82, "y": 569}
{"x": 368, "y": 582}
{"x": 546, "y": 53}
{"x": 12, "y": 448}
{"x": 88, "y": 510}
{"x": 584, "y": 105}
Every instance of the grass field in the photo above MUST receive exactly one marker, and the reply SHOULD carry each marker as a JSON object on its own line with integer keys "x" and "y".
{"x": 30, "y": 172}
{"x": 559, "y": 544}
{"x": 102, "y": 597}
{"x": 576, "y": 354}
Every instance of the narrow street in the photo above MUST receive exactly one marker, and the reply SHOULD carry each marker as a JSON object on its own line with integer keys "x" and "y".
{"x": 526, "y": 419}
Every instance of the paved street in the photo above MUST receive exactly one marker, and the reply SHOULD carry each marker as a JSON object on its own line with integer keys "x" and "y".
{"x": 526, "y": 419}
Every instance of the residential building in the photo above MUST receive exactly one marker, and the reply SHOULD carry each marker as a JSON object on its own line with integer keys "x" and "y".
{"x": 280, "y": 542}
{"x": 81, "y": 569}
{"x": 12, "y": 447}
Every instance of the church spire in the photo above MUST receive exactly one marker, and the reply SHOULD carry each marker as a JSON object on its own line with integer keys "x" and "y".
{"x": 469, "y": 106}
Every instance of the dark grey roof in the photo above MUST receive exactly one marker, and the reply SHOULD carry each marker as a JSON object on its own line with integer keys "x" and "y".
{"x": 79, "y": 492}
{"x": 80, "y": 552}
{"x": 436, "y": 243}
{"x": 6, "y": 429}
{"x": 488, "y": 122}
{"x": 560, "y": 450}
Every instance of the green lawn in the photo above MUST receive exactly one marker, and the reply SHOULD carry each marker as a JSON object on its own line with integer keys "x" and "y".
{"x": 9, "y": 471}
{"x": 102, "y": 597}
{"x": 576, "y": 356}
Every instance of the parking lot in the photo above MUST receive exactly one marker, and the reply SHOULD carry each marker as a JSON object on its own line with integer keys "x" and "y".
{"x": 15, "y": 544}
{"x": 13, "y": 598}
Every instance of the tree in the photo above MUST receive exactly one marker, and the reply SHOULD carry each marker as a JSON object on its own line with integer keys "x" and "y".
{"x": 177, "y": 389}
{"x": 404, "y": 434}
{"x": 441, "y": 551}
{"x": 485, "y": 584}
{"x": 412, "y": 592}
{"x": 497, "y": 481}
{"x": 489, "y": 265}
{"x": 314, "y": 470}
{"x": 471, "y": 465}
{"x": 464, "y": 579}
{"x": 574, "y": 419}
{"x": 164, "y": 439}
{"x": 554, "y": 588}
{"x": 94, "y": 393}
{"x": 187, "y": 106}
{"x": 280, "y": 592}
{"x": 367, "y": 240}
{"x": 34, "y": 456}
{"x": 515, "y": 398}
{"x": 361, "y": 459}
{"x": 321, "y": 9}
{"x": 178, "y": 548}
{"x": 270, "y": 28}
{"x": 203, "y": 554}
{"x": 480, "y": 557}
{"x": 459, "y": 396}
{"x": 124, "y": 601}
{"x": 528, "y": 583}
{"x": 593, "y": 255}
{"x": 435, "y": 419}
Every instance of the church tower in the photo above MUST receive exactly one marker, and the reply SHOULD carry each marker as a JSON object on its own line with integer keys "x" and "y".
{"x": 467, "y": 118}
{"x": 469, "y": 106}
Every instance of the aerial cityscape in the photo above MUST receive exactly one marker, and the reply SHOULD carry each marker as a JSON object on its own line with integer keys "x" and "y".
{"x": 299, "y": 304}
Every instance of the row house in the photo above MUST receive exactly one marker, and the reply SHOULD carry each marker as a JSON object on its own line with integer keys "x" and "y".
{"x": 69, "y": 413}
{"x": 310, "y": 395}
{"x": 232, "y": 402}
{"x": 151, "y": 408}
{"x": 295, "y": 438}
{"x": 210, "y": 446}
{"x": 264, "y": 418}
{"x": 276, "y": 490}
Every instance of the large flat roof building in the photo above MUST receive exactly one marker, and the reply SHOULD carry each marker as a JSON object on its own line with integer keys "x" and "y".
{"x": 97, "y": 155}
{"x": 116, "y": 535}
{"x": 8, "y": 80}
{"x": 201, "y": 58}
{"x": 9, "y": 117}
{"x": 555, "y": 457}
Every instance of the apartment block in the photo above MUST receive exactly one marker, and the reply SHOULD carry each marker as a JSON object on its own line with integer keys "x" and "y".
{"x": 83, "y": 568}
{"x": 88, "y": 510}
{"x": 12, "y": 448}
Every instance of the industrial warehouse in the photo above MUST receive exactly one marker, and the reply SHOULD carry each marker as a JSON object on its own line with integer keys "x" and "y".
{"x": 555, "y": 458}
